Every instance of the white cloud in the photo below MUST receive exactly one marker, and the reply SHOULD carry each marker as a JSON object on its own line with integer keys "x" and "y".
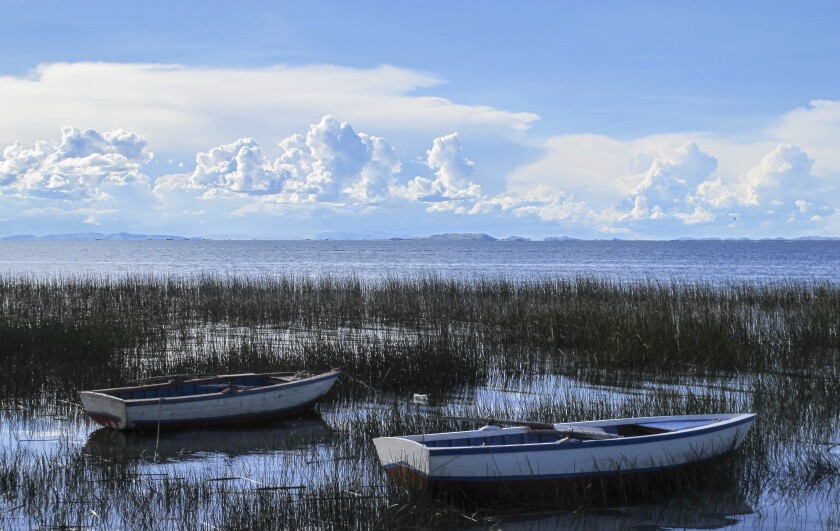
{"x": 784, "y": 174}
{"x": 451, "y": 188}
{"x": 341, "y": 161}
{"x": 332, "y": 163}
{"x": 237, "y": 167}
{"x": 658, "y": 185}
{"x": 81, "y": 166}
{"x": 666, "y": 188}
{"x": 816, "y": 130}
{"x": 655, "y": 186}
{"x": 186, "y": 109}
{"x": 542, "y": 202}
{"x": 586, "y": 165}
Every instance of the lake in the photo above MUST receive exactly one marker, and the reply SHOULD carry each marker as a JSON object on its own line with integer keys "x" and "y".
{"x": 553, "y": 351}
{"x": 714, "y": 262}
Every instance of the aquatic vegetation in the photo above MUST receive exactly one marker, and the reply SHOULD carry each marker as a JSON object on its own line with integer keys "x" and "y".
{"x": 544, "y": 349}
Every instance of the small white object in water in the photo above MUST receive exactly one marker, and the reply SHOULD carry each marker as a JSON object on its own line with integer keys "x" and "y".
{"x": 421, "y": 399}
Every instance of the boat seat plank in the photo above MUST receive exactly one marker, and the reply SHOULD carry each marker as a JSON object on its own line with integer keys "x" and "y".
{"x": 674, "y": 425}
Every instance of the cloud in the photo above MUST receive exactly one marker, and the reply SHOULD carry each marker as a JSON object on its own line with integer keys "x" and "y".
{"x": 185, "y": 109}
{"x": 238, "y": 167}
{"x": 340, "y": 161}
{"x": 451, "y": 187}
{"x": 81, "y": 166}
{"x": 331, "y": 163}
{"x": 541, "y": 202}
{"x": 816, "y": 130}
{"x": 330, "y": 172}
{"x": 783, "y": 174}
{"x": 666, "y": 188}
{"x": 584, "y": 165}
{"x": 663, "y": 184}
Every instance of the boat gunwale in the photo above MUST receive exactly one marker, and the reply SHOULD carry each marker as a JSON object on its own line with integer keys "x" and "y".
{"x": 734, "y": 420}
{"x": 217, "y": 395}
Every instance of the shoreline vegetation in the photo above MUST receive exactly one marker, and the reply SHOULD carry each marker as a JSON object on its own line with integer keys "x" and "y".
{"x": 545, "y": 350}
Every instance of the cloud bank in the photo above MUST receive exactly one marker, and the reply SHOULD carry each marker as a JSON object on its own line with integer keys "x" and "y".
{"x": 182, "y": 108}
{"x": 783, "y": 180}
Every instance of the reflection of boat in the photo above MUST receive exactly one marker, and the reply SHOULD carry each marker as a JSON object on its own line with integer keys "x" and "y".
{"x": 537, "y": 456}
{"x": 285, "y": 434}
{"x": 706, "y": 511}
{"x": 226, "y": 399}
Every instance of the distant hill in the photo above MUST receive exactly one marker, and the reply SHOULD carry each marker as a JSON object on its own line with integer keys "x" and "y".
{"x": 93, "y": 236}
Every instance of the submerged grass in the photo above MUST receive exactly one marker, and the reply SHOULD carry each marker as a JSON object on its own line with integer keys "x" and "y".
{"x": 95, "y": 332}
{"x": 548, "y": 349}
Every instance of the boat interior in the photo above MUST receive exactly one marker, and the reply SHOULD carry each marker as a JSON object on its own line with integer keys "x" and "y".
{"x": 538, "y": 436}
{"x": 176, "y": 386}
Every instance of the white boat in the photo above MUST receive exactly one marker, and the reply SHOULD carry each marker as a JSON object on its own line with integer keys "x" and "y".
{"x": 541, "y": 453}
{"x": 226, "y": 399}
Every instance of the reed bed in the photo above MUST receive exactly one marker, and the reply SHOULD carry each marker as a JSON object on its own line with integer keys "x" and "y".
{"x": 546, "y": 349}
{"x": 95, "y": 332}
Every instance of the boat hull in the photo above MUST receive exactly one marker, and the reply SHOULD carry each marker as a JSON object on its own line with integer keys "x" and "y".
{"x": 486, "y": 464}
{"x": 228, "y": 406}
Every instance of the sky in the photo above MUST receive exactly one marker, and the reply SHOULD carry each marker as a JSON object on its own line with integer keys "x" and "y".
{"x": 285, "y": 120}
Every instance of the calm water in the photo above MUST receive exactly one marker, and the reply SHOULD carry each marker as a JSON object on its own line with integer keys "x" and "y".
{"x": 705, "y": 261}
{"x": 314, "y": 451}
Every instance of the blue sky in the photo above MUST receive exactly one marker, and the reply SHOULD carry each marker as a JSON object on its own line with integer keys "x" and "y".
{"x": 286, "y": 120}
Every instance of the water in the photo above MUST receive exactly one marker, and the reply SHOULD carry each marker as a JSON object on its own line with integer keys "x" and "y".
{"x": 318, "y": 451}
{"x": 691, "y": 261}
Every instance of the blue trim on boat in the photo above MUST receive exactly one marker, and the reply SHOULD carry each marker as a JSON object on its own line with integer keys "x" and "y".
{"x": 552, "y": 446}
{"x": 218, "y": 395}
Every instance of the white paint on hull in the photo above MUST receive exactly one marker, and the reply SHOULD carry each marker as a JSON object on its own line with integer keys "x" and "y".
{"x": 229, "y": 404}
{"x": 562, "y": 459}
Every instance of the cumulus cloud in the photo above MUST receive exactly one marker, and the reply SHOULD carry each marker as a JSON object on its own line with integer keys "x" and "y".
{"x": 80, "y": 166}
{"x": 667, "y": 186}
{"x": 658, "y": 184}
{"x": 334, "y": 159}
{"x": 331, "y": 163}
{"x": 681, "y": 184}
{"x": 451, "y": 189}
{"x": 816, "y": 130}
{"x": 238, "y": 167}
{"x": 784, "y": 172}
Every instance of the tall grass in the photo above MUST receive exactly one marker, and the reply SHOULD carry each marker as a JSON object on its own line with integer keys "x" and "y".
{"x": 94, "y": 331}
{"x": 569, "y": 349}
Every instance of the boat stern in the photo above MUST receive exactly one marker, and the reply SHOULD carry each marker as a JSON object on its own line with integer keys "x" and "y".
{"x": 405, "y": 461}
{"x": 107, "y": 410}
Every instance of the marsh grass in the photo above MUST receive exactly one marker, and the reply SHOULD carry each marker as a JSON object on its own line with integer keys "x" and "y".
{"x": 549, "y": 349}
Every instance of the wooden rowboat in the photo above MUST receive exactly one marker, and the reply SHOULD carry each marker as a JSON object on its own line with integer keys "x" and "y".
{"x": 213, "y": 400}
{"x": 542, "y": 454}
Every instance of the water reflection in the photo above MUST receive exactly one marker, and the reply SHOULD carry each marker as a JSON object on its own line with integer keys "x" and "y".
{"x": 705, "y": 511}
{"x": 282, "y": 435}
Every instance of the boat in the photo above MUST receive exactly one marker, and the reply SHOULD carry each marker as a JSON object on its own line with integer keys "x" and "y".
{"x": 188, "y": 401}
{"x": 534, "y": 457}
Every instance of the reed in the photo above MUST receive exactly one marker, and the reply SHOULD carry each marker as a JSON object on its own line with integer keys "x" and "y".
{"x": 129, "y": 327}
{"x": 546, "y": 349}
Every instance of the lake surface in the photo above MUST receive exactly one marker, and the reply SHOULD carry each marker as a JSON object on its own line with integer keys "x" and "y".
{"x": 693, "y": 261}
{"x": 787, "y": 470}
